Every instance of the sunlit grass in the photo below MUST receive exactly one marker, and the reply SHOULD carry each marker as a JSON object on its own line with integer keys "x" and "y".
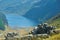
{"x": 55, "y": 37}
{"x": 57, "y": 24}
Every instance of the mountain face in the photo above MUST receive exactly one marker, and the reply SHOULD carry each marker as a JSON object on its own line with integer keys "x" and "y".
{"x": 16, "y": 6}
{"x": 3, "y": 21}
{"x": 43, "y": 10}
{"x": 40, "y": 12}
{"x": 32, "y": 14}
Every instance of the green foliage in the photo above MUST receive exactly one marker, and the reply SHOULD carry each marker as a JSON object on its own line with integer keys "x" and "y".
{"x": 2, "y": 27}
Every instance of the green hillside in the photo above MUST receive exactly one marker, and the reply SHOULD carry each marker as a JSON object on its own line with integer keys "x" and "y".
{"x": 3, "y": 21}
{"x": 1, "y": 25}
{"x": 55, "y": 21}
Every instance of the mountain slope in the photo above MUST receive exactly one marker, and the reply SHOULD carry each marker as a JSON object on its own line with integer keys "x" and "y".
{"x": 43, "y": 10}
{"x": 55, "y": 21}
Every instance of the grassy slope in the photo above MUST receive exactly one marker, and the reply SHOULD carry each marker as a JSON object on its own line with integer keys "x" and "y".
{"x": 55, "y": 22}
